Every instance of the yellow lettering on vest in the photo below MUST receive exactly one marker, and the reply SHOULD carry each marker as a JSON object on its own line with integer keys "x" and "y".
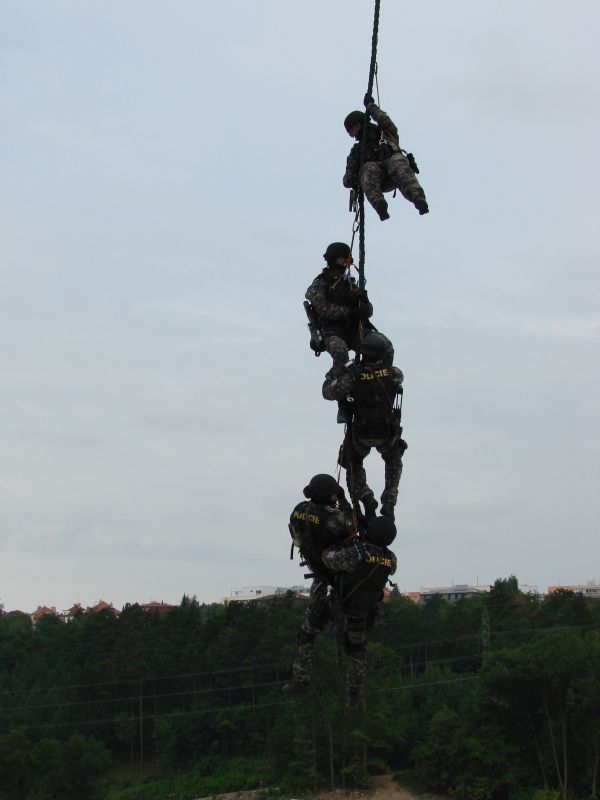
{"x": 311, "y": 517}
{"x": 378, "y": 373}
{"x": 379, "y": 560}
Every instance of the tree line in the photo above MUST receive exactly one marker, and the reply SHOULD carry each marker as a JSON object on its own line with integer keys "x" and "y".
{"x": 496, "y": 696}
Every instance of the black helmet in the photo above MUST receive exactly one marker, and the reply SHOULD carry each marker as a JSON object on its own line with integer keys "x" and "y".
{"x": 352, "y": 118}
{"x": 336, "y": 250}
{"x": 321, "y": 488}
{"x": 376, "y": 347}
{"x": 381, "y": 531}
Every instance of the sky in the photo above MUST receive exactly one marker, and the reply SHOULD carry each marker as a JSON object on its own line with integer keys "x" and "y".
{"x": 171, "y": 177}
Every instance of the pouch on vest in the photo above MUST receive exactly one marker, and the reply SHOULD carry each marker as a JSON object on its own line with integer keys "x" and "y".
{"x": 317, "y": 340}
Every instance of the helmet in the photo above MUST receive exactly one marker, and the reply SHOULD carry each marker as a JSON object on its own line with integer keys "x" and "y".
{"x": 376, "y": 347}
{"x": 336, "y": 250}
{"x": 381, "y": 532}
{"x": 352, "y": 118}
{"x": 321, "y": 487}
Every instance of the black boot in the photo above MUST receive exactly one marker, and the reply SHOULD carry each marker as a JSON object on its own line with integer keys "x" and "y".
{"x": 421, "y": 205}
{"x": 387, "y": 510}
{"x": 370, "y": 505}
{"x": 381, "y": 207}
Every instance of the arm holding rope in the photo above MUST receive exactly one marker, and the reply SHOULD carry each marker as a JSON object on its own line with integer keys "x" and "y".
{"x": 384, "y": 121}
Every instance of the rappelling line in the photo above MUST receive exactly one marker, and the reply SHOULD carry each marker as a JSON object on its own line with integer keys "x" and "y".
{"x": 363, "y": 152}
{"x": 377, "y": 85}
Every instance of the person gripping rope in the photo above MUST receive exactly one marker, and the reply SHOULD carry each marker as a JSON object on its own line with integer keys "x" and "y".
{"x": 362, "y": 569}
{"x": 369, "y": 391}
{"x": 385, "y": 165}
{"x": 342, "y": 309}
{"x": 323, "y": 520}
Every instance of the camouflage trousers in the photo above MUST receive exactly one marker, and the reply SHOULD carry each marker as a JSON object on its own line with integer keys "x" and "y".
{"x": 391, "y": 450}
{"x": 319, "y": 615}
{"x": 337, "y": 349}
{"x": 379, "y": 176}
{"x": 355, "y": 647}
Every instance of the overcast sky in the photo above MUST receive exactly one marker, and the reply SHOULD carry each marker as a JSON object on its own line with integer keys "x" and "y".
{"x": 171, "y": 178}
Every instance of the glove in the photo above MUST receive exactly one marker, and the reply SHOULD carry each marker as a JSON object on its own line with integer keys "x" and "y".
{"x": 364, "y": 311}
{"x": 367, "y": 100}
{"x": 361, "y": 550}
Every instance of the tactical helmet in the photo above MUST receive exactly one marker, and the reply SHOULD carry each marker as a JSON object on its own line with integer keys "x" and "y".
{"x": 321, "y": 487}
{"x": 381, "y": 531}
{"x": 336, "y": 250}
{"x": 376, "y": 347}
{"x": 352, "y": 118}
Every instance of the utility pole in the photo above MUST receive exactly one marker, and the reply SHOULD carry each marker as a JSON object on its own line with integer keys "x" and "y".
{"x": 141, "y": 728}
{"x": 485, "y": 632}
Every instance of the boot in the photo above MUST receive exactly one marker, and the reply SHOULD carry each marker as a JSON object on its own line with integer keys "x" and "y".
{"x": 421, "y": 205}
{"x": 381, "y": 207}
{"x": 370, "y": 505}
{"x": 387, "y": 510}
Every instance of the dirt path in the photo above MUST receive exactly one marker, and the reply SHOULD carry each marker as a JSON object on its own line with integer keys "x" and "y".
{"x": 385, "y": 788}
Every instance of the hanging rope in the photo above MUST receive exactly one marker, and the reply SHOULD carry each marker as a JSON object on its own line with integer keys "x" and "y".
{"x": 363, "y": 151}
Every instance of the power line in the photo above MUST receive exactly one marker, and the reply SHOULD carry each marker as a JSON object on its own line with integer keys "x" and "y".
{"x": 222, "y": 671}
{"x": 136, "y": 697}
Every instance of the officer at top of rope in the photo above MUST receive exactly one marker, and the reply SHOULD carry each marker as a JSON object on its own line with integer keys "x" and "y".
{"x": 370, "y": 391}
{"x": 386, "y": 166}
{"x": 340, "y": 310}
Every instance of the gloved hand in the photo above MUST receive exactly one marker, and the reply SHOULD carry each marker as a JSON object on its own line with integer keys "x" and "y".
{"x": 361, "y": 550}
{"x": 360, "y": 314}
{"x": 367, "y": 100}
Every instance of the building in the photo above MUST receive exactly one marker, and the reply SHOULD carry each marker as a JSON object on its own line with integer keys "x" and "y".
{"x": 102, "y": 605}
{"x": 41, "y": 611}
{"x": 71, "y": 613}
{"x": 589, "y": 589}
{"x": 248, "y": 594}
{"x": 451, "y": 594}
{"x": 155, "y": 607}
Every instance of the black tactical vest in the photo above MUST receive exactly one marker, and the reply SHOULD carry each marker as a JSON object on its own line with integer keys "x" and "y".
{"x": 361, "y": 590}
{"x": 372, "y": 149}
{"x": 341, "y": 291}
{"x": 374, "y": 393}
{"x": 309, "y": 534}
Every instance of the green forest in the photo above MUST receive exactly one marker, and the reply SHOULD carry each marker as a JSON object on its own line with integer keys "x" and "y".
{"x": 497, "y": 696}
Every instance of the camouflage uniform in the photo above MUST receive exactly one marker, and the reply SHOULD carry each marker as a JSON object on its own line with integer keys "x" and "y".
{"x": 370, "y": 391}
{"x": 335, "y": 297}
{"x": 385, "y": 166}
{"x": 317, "y": 527}
{"x": 358, "y": 591}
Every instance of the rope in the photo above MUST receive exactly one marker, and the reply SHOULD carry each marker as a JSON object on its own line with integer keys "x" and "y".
{"x": 363, "y": 150}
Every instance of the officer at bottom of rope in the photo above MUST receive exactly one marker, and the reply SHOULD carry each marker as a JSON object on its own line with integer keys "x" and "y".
{"x": 386, "y": 166}
{"x": 361, "y": 570}
{"x": 368, "y": 394}
{"x": 323, "y": 520}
